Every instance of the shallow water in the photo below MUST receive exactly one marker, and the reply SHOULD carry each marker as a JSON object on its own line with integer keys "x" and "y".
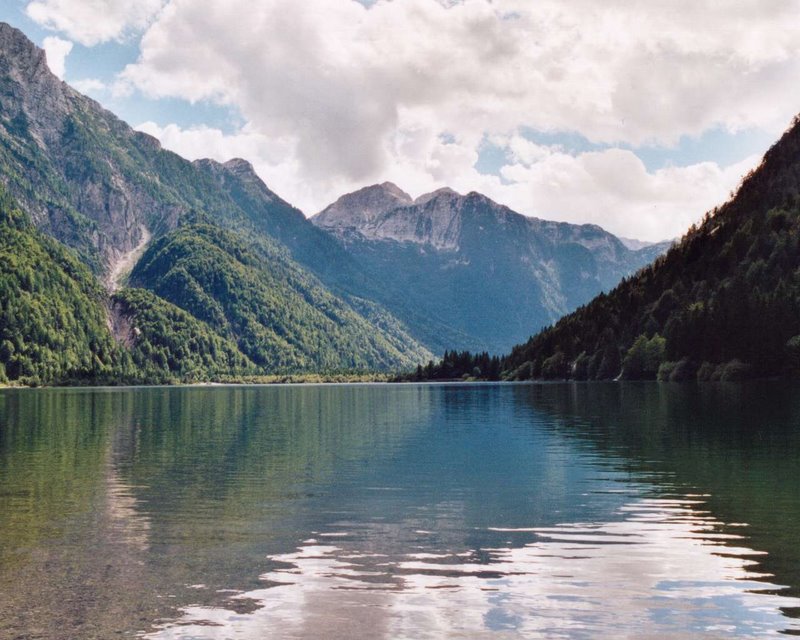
{"x": 400, "y": 511}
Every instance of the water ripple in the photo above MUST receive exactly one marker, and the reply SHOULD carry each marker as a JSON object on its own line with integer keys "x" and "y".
{"x": 665, "y": 569}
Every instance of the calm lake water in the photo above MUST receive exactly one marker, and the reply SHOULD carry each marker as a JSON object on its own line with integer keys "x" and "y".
{"x": 401, "y": 511}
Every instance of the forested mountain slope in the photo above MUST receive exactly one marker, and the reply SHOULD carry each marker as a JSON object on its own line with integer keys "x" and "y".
{"x": 723, "y": 303}
{"x": 279, "y": 316}
{"x": 52, "y": 319}
{"x": 57, "y": 323}
{"x": 90, "y": 181}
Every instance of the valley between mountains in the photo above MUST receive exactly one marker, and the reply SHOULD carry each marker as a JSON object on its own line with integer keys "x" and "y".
{"x": 123, "y": 262}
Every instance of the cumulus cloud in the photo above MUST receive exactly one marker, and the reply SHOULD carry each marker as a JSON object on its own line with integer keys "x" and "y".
{"x": 611, "y": 188}
{"x": 410, "y": 89}
{"x": 615, "y": 71}
{"x": 89, "y": 85}
{"x": 614, "y": 189}
{"x": 91, "y": 22}
{"x": 57, "y": 51}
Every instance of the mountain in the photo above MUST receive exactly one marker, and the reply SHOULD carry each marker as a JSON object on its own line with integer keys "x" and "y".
{"x": 57, "y": 321}
{"x": 724, "y": 303}
{"x": 52, "y": 318}
{"x": 465, "y": 272}
{"x": 278, "y": 315}
{"x": 89, "y": 181}
{"x": 166, "y": 343}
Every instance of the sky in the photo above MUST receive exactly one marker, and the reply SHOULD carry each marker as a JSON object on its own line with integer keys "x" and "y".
{"x": 637, "y": 116}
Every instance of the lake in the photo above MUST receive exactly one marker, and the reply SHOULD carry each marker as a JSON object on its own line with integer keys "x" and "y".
{"x": 637, "y": 510}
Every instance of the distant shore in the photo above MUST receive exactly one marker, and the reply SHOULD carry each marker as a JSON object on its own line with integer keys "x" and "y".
{"x": 297, "y": 378}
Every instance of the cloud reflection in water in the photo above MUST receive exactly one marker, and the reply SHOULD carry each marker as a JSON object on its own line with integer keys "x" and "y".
{"x": 665, "y": 569}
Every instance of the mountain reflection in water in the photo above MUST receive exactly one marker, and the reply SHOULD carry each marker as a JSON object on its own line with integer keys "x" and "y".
{"x": 400, "y": 511}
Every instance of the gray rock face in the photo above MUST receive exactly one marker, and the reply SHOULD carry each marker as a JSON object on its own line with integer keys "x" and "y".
{"x": 89, "y": 179}
{"x": 44, "y": 105}
{"x": 71, "y": 163}
{"x": 385, "y": 212}
{"x": 433, "y": 219}
{"x": 361, "y": 208}
{"x": 485, "y": 272}
{"x": 438, "y": 219}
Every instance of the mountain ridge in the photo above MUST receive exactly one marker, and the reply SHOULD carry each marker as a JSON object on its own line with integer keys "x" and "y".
{"x": 423, "y": 284}
{"x": 93, "y": 183}
{"x": 448, "y": 254}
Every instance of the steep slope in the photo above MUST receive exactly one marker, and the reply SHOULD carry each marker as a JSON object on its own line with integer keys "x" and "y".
{"x": 465, "y": 272}
{"x": 96, "y": 185}
{"x": 254, "y": 207}
{"x": 723, "y": 303}
{"x": 167, "y": 343}
{"x": 52, "y": 318}
{"x": 84, "y": 176}
{"x": 55, "y": 327}
{"x": 92, "y": 182}
{"x": 280, "y": 317}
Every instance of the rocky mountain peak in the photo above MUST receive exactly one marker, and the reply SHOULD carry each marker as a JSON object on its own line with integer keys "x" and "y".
{"x": 363, "y": 207}
{"x": 444, "y": 192}
{"x": 246, "y": 174}
{"x": 385, "y": 212}
{"x": 31, "y": 93}
{"x": 391, "y": 189}
{"x": 208, "y": 164}
{"x": 242, "y": 174}
{"x": 240, "y": 167}
{"x": 20, "y": 54}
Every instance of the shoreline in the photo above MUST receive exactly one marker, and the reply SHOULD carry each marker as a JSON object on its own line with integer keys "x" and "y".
{"x": 360, "y": 381}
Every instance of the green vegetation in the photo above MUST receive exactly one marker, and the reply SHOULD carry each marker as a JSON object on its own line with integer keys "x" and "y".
{"x": 644, "y": 358}
{"x": 456, "y": 365}
{"x": 277, "y": 315}
{"x": 52, "y": 320}
{"x": 278, "y": 297}
{"x": 722, "y": 305}
{"x": 56, "y": 322}
{"x": 88, "y": 180}
{"x": 167, "y": 344}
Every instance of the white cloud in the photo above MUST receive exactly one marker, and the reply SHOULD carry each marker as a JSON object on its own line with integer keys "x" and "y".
{"x": 91, "y": 22}
{"x": 89, "y": 85}
{"x": 57, "y": 51}
{"x": 614, "y": 189}
{"x": 408, "y": 90}
{"x": 611, "y": 188}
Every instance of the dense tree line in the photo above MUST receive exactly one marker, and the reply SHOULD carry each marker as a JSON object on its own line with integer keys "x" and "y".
{"x": 458, "y": 365}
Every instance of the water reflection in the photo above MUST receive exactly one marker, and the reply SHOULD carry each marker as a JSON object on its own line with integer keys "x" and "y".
{"x": 739, "y": 443}
{"x": 664, "y": 570}
{"x": 400, "y": 511}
